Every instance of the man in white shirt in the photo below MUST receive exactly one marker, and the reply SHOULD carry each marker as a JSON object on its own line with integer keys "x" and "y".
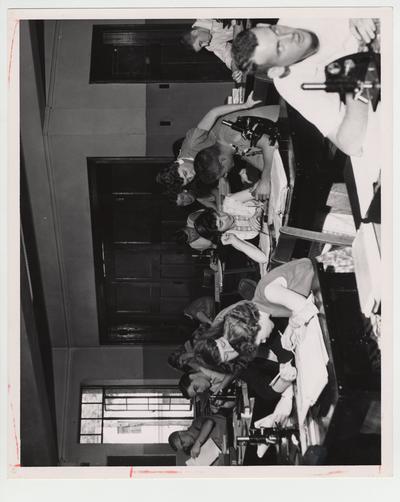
{"x": 296, "y": 51}
{"x": 210, "y": 34}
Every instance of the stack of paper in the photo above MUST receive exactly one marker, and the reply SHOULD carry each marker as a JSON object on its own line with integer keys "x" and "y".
{"x": 312, "y": 374}
{"x": 367, "y": 265}
{"x": 208, "y": 454}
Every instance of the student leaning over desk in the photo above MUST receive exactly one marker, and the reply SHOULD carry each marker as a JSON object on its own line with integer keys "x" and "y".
{"x": 207, "y": 134}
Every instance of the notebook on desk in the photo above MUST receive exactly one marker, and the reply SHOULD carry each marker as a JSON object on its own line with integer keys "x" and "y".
{"x": 208, "y": 454}
{"x": 312, "y": 374}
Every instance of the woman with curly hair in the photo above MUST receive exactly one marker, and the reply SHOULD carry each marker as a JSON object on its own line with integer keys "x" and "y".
{"x": 232, "y": 340}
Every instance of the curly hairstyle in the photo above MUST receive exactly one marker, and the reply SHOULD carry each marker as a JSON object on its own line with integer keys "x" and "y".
{"x": 240, "y": 326}
{"x": 206, "y": 224}
{"x": 169, "y": 177}
{"x": 243, "y": 47}
{"x": 207, "y": 165}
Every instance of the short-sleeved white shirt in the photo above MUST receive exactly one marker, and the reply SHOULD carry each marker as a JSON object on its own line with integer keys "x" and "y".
{"x": 321, "y": 108}
{"x": 221, "y": 39}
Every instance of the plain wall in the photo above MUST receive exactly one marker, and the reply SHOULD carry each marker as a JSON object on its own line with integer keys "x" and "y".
{"x": 84, "y": 120}
{"x": 118, "y": 365}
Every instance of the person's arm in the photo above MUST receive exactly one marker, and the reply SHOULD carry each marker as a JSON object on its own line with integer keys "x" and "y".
{"x": 277, "y": 292}
{"x": 205, "y": 431}
{"x": 351, "y": 133}
{"x": 208, "y": 202}
{"x": 202, "y": 317}
{"x": 223, "y": 378}
{"x": 243, "y": 195}
{"x": 248, "y": 249}
{"x": 262, "y": 189}
{"x": 363, "y": 29}
{"x": 282, "y": 354}
{"x": 209, "y": 118}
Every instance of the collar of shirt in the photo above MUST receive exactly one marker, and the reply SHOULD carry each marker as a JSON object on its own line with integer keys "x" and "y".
{"x": 206, "y": 24}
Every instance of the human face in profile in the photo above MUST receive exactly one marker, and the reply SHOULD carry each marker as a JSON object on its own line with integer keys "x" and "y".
{"x": 282, "y": 46}
{"x": 186, "y": 171}
{"x": 199, "y": 383}
{"x": 185, "y": 198}
{"x": 185, "y": 441}
{"x": 224, "y": 222}
{"x": 200, "y": 38}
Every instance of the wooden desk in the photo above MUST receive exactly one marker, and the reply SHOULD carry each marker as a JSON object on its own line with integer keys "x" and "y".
{"x": 316, "y": 424}
{"x": 365, "y": 170}
{"x": 353, "y": 380}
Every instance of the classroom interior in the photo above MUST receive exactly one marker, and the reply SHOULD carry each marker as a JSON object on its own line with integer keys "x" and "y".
{"x": 104, "y": 284}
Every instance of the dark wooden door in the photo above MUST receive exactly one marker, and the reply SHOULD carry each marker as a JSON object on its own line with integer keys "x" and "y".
{"x": 144, "y": 278}
{"x": 150, "y": 53}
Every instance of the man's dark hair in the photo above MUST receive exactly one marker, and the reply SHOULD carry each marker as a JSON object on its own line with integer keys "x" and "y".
{"x": 206, "y": 224}
{"x": 184, "y": 384}
{"x": 187, "y": 40}
{"x": 170, "y": 179}
{"x": 243, "y": 47}
{"x": 207, "y": 165}
{"x": 176, "y": 146}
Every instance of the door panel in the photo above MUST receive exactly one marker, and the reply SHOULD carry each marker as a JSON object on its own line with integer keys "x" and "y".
{"x": 144, "y": 279}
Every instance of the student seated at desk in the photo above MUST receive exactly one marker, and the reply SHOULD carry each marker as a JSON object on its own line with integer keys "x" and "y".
{"x": 206, "y": 195}
{"x": 217, "y": 160}
{"x": 260, "y": 375}
{"x": 202, "y": 310}
{"x": 189, "y": 235}
{"x": 215, "y": 36}
{"x": 192, "y": 439}
{"x": 238, "y": 330}
{"x": 296, "y": 51}
{"x": 240, "y": 220}
{"x": 203, "y": 380}
{"x": 206, "y": 134}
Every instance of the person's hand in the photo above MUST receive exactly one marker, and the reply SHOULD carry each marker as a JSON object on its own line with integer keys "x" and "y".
{"x": 304, "y": 315}
{"x": 250, "y": 102}
{"x": 287, "y": 371}
{"x": 237, "y": 76}
{"x": 228, "y": 238}
{"x": 363, "y": 29}
{"x": 195, "y": 451}
{"x": 262, "y": 190}
{"x": 214, "y": 264}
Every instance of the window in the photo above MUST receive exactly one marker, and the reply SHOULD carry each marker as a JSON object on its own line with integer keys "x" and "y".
{"x": 132, "y": 414}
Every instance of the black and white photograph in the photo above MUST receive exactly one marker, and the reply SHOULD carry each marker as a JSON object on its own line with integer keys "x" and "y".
{"x": 199, "y": 239}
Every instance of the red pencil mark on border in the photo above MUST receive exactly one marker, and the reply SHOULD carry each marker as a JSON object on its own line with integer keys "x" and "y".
{"x": 158, "y": 472}
{"x": 335, "y": 473}
{"x": 11, "y": 51}
{"x": 14, "y": 426}
{"x": 131, "y": 472}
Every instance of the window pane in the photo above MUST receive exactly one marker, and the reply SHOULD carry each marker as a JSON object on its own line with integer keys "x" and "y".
{"x": 91, "y": 410}
{"x": 90, "y": 426}
{"x": 132, "y": 415}
{"x": 90, "y": 439}
{"x": 92, "y": 395}
{"x": 141, "y": 431}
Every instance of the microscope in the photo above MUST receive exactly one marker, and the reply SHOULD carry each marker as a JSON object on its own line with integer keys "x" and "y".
{"x": 267, "y": 435}
{"x": 252, "y": 128}
{"x": 358, "y": 74}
